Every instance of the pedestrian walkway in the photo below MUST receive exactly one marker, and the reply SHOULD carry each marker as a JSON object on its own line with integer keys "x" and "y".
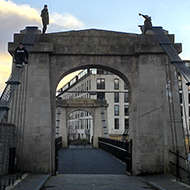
{"x": 95, "y": 182}
{"x": 88, "y": 161}
{"x": 30, "y": 182}
{"x": 99, "y": 182}
{"x": 94, "y": 169}
{"x": 164, "y": 182}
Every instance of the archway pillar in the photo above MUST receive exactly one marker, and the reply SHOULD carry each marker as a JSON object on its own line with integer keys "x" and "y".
{"x": 93, "y": 106}
{"x": 98, "y": 128}
{"x": 63, "y": 127}
{"x": 154, "y": 130}
{"x": 38, "y": 145}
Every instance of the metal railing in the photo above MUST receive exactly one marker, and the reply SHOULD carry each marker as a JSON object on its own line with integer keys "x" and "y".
{"x": 172, "y": 53}
{"x": 58, "y": 146}
{"x": 181, "y": 173}
{"x": 119, "y": 149}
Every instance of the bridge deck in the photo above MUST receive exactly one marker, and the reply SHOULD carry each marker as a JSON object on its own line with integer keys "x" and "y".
{"x": 84, "y": 161}
{"x": 88, "y": 161}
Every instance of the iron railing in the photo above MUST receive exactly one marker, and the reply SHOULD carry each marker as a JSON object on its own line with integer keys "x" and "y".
{"x": 119, "y": 149}
{"x": 58, "y": 146}
{"x": 181, "y": 173}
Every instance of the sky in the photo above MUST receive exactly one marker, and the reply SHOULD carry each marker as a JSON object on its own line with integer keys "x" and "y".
{"x": 114, "y": 15}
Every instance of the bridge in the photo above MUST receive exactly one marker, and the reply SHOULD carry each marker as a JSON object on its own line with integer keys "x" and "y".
{"x": 148, "y": 64}
{"x": 88, "y": 161}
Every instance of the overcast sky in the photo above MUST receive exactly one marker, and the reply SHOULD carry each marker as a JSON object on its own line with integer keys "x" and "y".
{"x": 116, "y": 15}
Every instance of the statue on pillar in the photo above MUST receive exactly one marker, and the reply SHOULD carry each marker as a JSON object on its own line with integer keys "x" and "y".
{"x": 147, "y": 23}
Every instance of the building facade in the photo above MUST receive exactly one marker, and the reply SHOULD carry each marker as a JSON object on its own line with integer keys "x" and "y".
{"x": 97, "y": 84}
{"x": 184, "y": 92}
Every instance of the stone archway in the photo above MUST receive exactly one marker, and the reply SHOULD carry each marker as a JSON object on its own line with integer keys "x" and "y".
{"x": 138, "y": 59}
{"x": 94, "y": 107}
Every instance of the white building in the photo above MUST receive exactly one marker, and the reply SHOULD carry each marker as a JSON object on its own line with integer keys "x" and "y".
{"x": 184, "y": 90}
{"x": 105, "y": 85}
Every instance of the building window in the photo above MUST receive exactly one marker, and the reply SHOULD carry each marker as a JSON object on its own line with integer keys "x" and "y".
{"x": 126, "y": 123}
{"x": 100, "y": 95}
{"x": 125, "y": 86}
{"x": 100, "y": 83}
{"x": 89, "y": 84}
{"x": 180, "y": 97}
{"x": 116, "y": 84}
{"x": 126, "y": 110}
{"x": 82, "y": 85}
{"x": 87, "y": 124}
{"x": 181, "y": 111}
{"x": 100, "y": 71}
{"x": 116, "y": 96}
{"x": 126, "y": 97}
{"x": 116, "y": 123}
{"x": 82, "y": 124}
{"x": 116, "y": 110}
{"x": 180, "y": 82}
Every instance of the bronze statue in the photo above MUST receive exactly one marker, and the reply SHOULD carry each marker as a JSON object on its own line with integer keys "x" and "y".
{"x": 147, "y": 23}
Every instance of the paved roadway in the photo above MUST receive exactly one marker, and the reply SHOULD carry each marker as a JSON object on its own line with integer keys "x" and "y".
{"x": 91, "y": 169}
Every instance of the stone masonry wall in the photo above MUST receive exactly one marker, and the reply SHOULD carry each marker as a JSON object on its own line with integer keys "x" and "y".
{"x": 138, "y": 59}
{"x": 6, "y": 141}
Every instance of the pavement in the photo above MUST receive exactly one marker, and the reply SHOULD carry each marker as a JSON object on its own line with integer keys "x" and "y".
{"x": 98, "y": 182}
{"x": 89, "y": 161}
{"x": 29, "y": 182}
{"x": 94, "y": 182}
{"x": 164, "y": 182}
{"x": 94, "y": 169}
